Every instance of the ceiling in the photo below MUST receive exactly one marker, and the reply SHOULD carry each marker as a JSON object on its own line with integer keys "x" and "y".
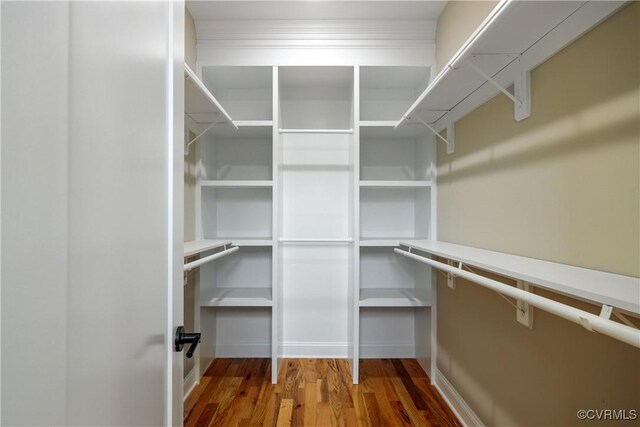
{"x": 316, "y": 10}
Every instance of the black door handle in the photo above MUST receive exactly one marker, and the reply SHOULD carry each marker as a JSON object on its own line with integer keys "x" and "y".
{"x": 183, "y": 338}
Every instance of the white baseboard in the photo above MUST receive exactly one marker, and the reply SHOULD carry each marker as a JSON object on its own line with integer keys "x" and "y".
{"x": 457, "y": 404}
{"x": 243, "y": 350}
{"x": 190, "y": 382}
{"x": 337, "y": 350}
{"x": 387, "y": 351}
{"x": 321, "y": 350}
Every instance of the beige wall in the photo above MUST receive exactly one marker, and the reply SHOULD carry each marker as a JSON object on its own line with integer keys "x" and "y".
{"x": 190, "y": 160}
{"x": 189, "y": 40}
{"x": 563, "y": 185}
{"x": 456, "y": 23}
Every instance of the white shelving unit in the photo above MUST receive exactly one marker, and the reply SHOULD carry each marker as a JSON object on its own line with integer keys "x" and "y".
{"x": 316, "y": 140}
{"x": 235, "y": 199}
{"x": 396, "y": 177}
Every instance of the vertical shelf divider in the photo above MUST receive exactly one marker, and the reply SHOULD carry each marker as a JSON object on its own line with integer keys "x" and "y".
{"x": 276, "y": 295}
{"x": 355, "y": 292}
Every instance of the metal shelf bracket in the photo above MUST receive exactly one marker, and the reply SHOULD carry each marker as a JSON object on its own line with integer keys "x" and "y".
{"x": 623, "y": 319}
{"x": 450, "y": 140}
{"x": 521, "y": 96}
{"x": 188, "y": 144}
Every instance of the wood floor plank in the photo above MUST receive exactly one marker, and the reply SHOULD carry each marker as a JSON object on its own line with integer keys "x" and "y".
{"x": 192, "y": 417}
{"x": 285, "y": 412}
{"x": 316, "y": 392}
{"x": 310, "y": 403}
{"x": 194, "y": 396}
{"x": 408, "y": 403}
{"x": 207, "y": 415}
{"x": 297, "y": 416}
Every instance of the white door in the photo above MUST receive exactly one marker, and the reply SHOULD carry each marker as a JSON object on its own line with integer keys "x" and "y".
{"x": 91, "y": 212}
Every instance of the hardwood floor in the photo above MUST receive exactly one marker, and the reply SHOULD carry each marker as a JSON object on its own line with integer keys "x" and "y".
{"x": 316, "y": 392}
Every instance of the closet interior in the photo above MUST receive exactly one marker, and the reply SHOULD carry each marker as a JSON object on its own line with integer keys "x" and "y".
{"x": 319, "y": 173}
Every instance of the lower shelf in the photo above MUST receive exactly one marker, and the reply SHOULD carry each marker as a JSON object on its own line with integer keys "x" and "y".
{"x": 240, "y": 297}
{"x": 389, "y": 297}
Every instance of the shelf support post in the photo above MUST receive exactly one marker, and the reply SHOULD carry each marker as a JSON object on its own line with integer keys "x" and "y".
{"x": 521, "y": 87}
{"x": 451, "y": 279}
{"x": 522, "y": 91}
{"x": 524, "y": 312}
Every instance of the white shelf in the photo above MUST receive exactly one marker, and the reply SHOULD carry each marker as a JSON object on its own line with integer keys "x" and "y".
{"x": 253, "y": 123}
{"x": 237, "y": 183}
{"x": 321, "y": 131}
{"x": 396, "y": 184}
{"x": 528, "y": 32}
{"x": 252, "y": 242}
{"x": 378, "y": 123}
{"x": 200, "y": 104}
{"x": 195, "y": 247}
{"x": 387, "y": 131}
{"x": 240, "y": 297}
{"x": 390, "y": 242}
{"x": 389, "y": 297}
{"x": 618, "y": 291}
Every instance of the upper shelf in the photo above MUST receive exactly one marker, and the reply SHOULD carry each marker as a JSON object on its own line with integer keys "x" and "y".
{"x": 195, "y": 247}
{"x": 618, "y": 291}
{"x": 515, "y": 37}
{"x": 200, "y": 104}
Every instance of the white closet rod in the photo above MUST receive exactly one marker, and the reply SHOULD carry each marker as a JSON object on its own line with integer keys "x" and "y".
{"x": 197, "y": 263}
{"x": 315, "y": 130}
{"x": 285, "y": 240}
{"x": 588, "y": 320}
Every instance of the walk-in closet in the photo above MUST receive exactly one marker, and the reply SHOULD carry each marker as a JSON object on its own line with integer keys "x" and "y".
{"x": 320, "y": 213}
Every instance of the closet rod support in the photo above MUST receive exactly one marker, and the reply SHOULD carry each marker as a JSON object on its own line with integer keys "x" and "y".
{"x": 524, "y": 312}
